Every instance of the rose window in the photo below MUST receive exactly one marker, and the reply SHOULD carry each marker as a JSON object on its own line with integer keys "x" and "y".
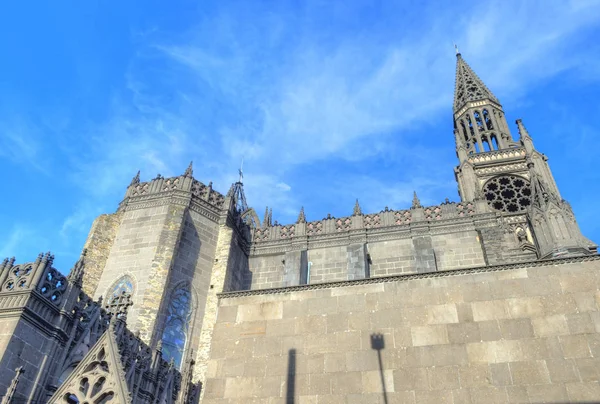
{"x": 508, "y": 193}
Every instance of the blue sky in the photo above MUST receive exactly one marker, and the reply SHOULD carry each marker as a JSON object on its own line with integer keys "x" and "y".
{"x": 325, "y": 101}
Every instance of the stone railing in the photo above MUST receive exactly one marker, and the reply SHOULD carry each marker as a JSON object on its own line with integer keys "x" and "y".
{"x": 497, "y": 155}
{"x": 383, "y": 219}
{"x": 183, "y": 183}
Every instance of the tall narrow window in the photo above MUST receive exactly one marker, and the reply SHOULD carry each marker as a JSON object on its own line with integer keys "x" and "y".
{"x": 464, "y": 130}
{"x": 478, "y": 120}
{"x": 470, "y": 125}
{"x": 494, "y": 141}
{"x": 488, "y": 120}
{"x": 175, "y": 333}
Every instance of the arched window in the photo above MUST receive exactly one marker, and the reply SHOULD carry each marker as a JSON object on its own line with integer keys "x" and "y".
{"x": 478, "y": 120}
{"x": 486, "y": 145}
{"x": 470, "y": 125}
{"x": 494, "y": 141}
{"x": 175, "y": 333}
{"x": 125, "y": 284}
{"x": 464, "y": 130}
{"x": 488, "y": 120}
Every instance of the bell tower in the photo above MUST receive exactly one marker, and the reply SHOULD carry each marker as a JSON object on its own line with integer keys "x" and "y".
{"x": 507, "y": 176}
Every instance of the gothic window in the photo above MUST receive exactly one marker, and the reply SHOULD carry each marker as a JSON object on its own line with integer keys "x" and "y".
{"x": 478, "y": 120}
{"x": 508, "y": 193}
{"x": 464, "y": 130}
{"x": 175, "y": 333}
{"x": 470, "y": 125}
{"x": 494, "y": 142}
{"x": 488, "y": 120}
{"x": 486, "y": 144}
{"x": 125, "y": 284}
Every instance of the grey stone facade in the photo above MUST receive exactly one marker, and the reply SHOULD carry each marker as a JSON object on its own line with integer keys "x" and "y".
{"x": 490, "y": 299}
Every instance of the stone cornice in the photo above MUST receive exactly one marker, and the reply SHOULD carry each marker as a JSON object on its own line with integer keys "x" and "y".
{"x": 409, "y": 277}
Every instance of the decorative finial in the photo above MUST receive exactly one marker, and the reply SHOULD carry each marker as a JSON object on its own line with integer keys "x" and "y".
{"x": 241, "y": 171}
{"x": 357, "y": 211}
{"x": 267, "y": 218}
{"x": 416, "y": 203}
{"x": 522, "y": 130}
{"x": 456, "y": 49}
{"x": 135, "y": 180}
{"x": 189, "y": 172}
{"x": 76, "y": 275}
{"x": 158, "y": 177}
{"x": 301, "y": 216}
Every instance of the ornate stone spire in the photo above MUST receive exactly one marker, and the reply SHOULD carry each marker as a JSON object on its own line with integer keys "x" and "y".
{"x": 135, "y": 180}
{"x": 469, "y": 87}
{"x": 357, "y": 211}
{"x": 301, "y": 216}
{"x": 268, "y": 219}
{"x": 416, "y": 203}
{"x": 8, "y": 397}
{"x": 76, "y": 275}
{"x": 189, "y": 172}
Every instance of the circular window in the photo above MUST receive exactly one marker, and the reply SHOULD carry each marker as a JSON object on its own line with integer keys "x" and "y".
{"x": 508, "y": 193}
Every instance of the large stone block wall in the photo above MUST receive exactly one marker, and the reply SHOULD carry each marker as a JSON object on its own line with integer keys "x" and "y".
{"x": 193, "y": 259}
{"x": 133, "y": 253}
{"x": 267, "y": 271}
{"x": 512, "y": 334}
{"x": 328, "y": 264}
{"x": 426, "y": 254}
{"x": 98, "y": 245}
{"x": 23, "y": 344}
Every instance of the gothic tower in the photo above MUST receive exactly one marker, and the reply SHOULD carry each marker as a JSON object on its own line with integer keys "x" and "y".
{"x": 511, "y": 176}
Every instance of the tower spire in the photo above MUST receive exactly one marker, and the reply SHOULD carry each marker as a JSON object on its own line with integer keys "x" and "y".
{"x": 189, "y": 172}
{"x": 478, "y": 115}
{"x": 469, "y": 87}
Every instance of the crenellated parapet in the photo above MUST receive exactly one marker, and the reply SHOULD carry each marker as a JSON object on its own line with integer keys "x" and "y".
{"x": 386, "y": 219}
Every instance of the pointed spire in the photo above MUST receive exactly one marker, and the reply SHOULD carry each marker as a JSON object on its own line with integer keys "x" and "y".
{"x": 189, "y": 172}
{"x": 76, "y": 275}
{"x": 268, "y": 220}
{"x": 357, "y": 211}
{"x": 522, "y": 130}
{"x": 135, "y": 180}
{"x": 301, "y": 216}
{"x": 416, "y": 203}
{"x": 468, "y": 86}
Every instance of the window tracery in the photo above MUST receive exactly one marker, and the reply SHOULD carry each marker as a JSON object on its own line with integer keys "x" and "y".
{"x": 175, "y": 333}
{"x": 508, "y": 193}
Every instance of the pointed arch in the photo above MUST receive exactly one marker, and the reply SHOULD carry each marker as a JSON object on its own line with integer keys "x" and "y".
{"x": 180, "y": 308}
{"x": 125, "y": 284}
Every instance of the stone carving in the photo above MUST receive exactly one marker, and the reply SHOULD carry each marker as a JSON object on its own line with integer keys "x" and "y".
{"x": 508, "y": 193}
{"x": 301, "y": 216}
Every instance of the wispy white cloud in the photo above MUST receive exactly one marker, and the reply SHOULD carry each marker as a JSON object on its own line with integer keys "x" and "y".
{"x": 283, "y": 96}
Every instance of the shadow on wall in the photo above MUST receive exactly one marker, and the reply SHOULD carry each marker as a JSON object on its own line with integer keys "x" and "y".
{"x": 291, "y": 377}
{"x": 378, "y": 344}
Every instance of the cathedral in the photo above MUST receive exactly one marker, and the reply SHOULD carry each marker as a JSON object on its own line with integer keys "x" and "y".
{"x": 183, "y": 295}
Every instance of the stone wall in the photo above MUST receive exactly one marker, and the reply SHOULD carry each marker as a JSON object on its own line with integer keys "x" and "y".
{"x": 98, "y": 246}
{"x": 528, "y": 333}
{"x": 140, "y": 236}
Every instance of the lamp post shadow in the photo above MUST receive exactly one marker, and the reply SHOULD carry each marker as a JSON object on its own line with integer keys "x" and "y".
{"x": 378, "y": 343}
{"x": 291, "y": 377}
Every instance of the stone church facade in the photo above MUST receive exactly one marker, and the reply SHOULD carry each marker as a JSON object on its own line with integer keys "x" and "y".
{"x": 183, "y": 295}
